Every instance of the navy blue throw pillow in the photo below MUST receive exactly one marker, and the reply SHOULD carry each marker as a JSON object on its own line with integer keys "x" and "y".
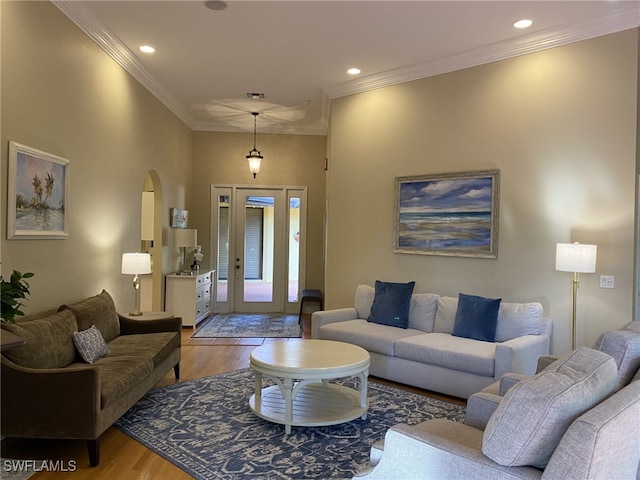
{"x": 391, "y": 304}
{"x": 477, "y": 317}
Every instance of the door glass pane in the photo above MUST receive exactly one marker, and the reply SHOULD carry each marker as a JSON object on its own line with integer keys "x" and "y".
{"x": 294, "y": 248}
{"x": 222, "y": 271}
{"x": 258, "y": 249}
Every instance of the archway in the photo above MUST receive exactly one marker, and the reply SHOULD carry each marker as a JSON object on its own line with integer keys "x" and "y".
{"x": 151, "y": 240}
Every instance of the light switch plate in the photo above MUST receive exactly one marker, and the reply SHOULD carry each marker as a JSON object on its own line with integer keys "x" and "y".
{"x": 607, "y": 281}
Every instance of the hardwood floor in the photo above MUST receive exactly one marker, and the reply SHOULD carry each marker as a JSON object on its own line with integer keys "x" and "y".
{"x": 121, "y": 457}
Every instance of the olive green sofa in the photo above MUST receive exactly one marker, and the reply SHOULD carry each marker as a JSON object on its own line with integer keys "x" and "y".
{"x": 49, "y": 391}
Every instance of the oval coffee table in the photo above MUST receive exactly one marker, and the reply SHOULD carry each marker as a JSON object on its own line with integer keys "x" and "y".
{"x": 303, "y": 395}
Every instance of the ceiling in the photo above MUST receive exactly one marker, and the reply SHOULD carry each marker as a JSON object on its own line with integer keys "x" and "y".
{"x": 297, "y": 52}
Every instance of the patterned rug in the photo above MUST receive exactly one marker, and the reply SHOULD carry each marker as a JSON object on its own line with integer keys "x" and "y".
{"x": 245, "y": 325}
{"x": 206, "y": 428}
{"x": 13, "y": 469}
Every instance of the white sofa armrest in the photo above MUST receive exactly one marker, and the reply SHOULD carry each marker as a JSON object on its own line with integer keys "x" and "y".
{"x": 324, "y": 317}
{"x": 439, "y": 449}
{"x": 520, "y": 355}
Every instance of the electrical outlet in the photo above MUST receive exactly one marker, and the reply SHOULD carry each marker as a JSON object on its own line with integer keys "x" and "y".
{"x": 607, "y": 281}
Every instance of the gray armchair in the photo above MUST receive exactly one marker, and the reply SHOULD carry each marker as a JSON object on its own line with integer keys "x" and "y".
{"x": 623, "y": 345}
{"x": 562, "y": 423}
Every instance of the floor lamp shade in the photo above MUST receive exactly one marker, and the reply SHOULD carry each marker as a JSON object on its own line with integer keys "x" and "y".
{"x": 576, "y": 257}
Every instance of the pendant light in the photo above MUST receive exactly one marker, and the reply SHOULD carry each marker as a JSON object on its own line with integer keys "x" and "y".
{"x": 254, "y": 156}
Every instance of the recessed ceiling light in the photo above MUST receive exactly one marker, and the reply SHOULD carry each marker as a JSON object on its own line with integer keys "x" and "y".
{"x": 524, "y": 23}
{"x": 147, "y": 49}
{"x": 215, "y": 5}
{"x": 353, "y": 71}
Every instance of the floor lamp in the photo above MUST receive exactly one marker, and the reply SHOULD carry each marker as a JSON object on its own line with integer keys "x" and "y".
{"x": 135, "y": 264}
{"x": 577, "y": 258}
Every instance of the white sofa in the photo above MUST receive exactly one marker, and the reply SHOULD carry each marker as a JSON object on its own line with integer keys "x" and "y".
{"x": 427, "y": 355}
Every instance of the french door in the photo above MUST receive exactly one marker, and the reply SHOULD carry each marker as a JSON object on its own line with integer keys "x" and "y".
{"x": 256, "y": 236}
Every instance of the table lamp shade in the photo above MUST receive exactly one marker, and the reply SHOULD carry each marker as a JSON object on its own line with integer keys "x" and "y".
{"x": 576, "y": 257}
{"x": 185, "y": 237}
{"x": 136, "y": 263}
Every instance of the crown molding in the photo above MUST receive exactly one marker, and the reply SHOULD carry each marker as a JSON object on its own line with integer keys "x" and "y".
{"x": 114, "y": 47}
{"x": 627, "y": 16}
{"x": 319, "y": 128}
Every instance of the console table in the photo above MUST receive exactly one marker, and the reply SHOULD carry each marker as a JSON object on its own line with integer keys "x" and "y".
{"x": 189, "y": 297}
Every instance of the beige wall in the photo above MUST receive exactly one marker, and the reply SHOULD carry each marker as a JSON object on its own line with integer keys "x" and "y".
{"x": 561, "y": 127}
{"x": 62, "y": 94}
{"x": 292, "y": 160}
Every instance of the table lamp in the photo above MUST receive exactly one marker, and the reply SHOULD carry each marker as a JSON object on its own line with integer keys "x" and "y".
{"x": 184, "y": 238}
{"x": 577, "y": 258}
{"x": 135, "y": 264}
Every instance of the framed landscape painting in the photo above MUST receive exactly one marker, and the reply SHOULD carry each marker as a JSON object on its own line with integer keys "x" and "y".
{"x": 38, "y": 187}
{"x": 453, "y": 214}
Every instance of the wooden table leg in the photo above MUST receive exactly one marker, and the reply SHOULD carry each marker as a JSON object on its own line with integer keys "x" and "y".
{"x": 258, "y": 389}
{"x": 363, "y": 392}
{"x": 288, "y": 404}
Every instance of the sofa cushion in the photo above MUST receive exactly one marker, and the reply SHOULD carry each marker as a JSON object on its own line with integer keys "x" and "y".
{"x": 90, "y": 344}
{"x": 447, "y": 351}
{"x": 518, "y": 319}
{"x": 476, "y": 317}
{"x": 391, "y": 304}
{"x": 364, "y": 300}
{"x": 514, "y": 319}
{"x": 624, "y": 347}
{"x": 120, "y": 374}
{"x": 422, "y": 311}
{"x": 446, "y": 314}
{"x": 634, "y": 326}
{"x": 535, "y": 413}
{"x": 99, "y": 311}
{"x": 49, "y": 341}
{"x": 373, "y": 337}
{"x": 155, "y": 346}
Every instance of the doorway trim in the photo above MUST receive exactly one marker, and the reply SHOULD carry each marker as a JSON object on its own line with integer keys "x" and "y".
{"x": 290, "y": 301}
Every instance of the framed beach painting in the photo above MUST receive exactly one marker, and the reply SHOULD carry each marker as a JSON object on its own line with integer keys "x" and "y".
{"x": 38, "y": 189}
{"x": 453, "y": 214}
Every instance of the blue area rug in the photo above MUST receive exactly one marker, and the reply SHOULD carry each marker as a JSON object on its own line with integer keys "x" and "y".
{"x": 249, "y": 325}
{"x": 206, "y": 428}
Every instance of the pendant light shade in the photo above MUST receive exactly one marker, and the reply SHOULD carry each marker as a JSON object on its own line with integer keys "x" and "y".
{"x": 254, "y": 156}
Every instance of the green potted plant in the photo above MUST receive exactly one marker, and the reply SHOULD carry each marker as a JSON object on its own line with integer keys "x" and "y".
{"x": 13, "y": 291}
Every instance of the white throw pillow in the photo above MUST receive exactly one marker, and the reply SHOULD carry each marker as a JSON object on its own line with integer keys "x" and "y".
{"x": 364, "y": 300}
{"x": 422, "y": 312}
{"x": 446, "y": 314}
{"x": 518, "y": 319}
